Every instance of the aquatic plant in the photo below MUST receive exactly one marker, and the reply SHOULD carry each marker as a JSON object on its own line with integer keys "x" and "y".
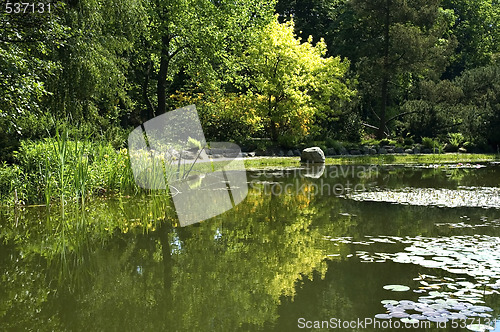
{"x": 81, "y": 172}
{"x": 60, "y": 145}
{"x": 471, "y": 260}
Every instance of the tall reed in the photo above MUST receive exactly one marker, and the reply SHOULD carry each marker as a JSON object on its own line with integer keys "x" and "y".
{"x": 47, "y": 190}
{"x": 60, "y": 149}
{"x": 81, "y": 174}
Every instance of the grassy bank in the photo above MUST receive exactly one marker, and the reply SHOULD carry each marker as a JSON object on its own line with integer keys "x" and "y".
{"x": 62, "y": 170}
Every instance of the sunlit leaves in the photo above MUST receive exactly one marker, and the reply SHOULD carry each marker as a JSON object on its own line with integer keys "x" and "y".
{"x": 27, "y": 42}
{"x": 295, "y": 78}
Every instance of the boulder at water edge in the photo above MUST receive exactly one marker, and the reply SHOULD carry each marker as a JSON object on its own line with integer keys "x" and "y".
{"x": 312, "y": 155}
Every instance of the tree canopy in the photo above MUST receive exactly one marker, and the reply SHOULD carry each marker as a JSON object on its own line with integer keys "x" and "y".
{"x": 340, "y": 69}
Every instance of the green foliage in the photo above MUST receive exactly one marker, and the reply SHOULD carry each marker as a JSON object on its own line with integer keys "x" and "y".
{"x": 337, "y": 146}
{"x": 467, "y": 105}
{"x": 12, "y": 183}
{"x": 430, "y": 143}
{"x": 182, "y": 48}
{"x": 330, "y": 143}
{"x": 480, "y": 104}
{"x": 408, "y": 141}
{"x": 387, "y": 42}
{"x": 225, "y": 117}
{"x": 293, "y": 81}
{"x": 8, "y": 143}
{"x": 348, "y": 126}
{"x": 288, "y": 141}
{"x": 27, "y": 60}
{"x": 456, "y": 140}
{"x": 66, "y": 169}
{"x": 419, "y": 41}
{"x": 92, "y": 84}
{"x": 475, "y": 26}
{"x": 97, "y": 68}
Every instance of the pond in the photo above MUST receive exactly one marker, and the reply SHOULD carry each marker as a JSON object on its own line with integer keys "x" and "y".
{"x": 349, "y": 247}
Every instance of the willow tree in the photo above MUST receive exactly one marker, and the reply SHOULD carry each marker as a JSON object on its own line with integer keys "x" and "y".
{"x": 92, "y": 84}
{"x": 27, "y": 43}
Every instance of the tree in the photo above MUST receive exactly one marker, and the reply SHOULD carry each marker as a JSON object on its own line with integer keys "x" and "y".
{"x": 468, "y": 105}
{"x": 293, "y": 81}
{"x": 480, "y": 103}
{"x": 194, "y": 41}
{"x": 402, "y": 42}
{"x": 27, "y": 44}
{"x": 476, "y": 26}
{"x": 432, "y": 109}
{"x": 391, "y": 45}
{"x": 92, "y": 85}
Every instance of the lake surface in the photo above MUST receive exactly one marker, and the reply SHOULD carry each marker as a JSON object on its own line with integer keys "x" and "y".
{"x": 309, "y": 248}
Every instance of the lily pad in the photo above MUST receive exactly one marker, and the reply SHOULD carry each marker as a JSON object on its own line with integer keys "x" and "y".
{"x": 400, "y": 315}
{"x": 480, "y": 308}
{"x": 397, "y": 288}
{"x": 383, "y": 316}
{"x": 437, "y": 319}
{"x": 480, "y": 327}
{"x": 407, "y": 320}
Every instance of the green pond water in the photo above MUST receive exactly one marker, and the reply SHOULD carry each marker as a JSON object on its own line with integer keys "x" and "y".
{"x": 310, "y": 248}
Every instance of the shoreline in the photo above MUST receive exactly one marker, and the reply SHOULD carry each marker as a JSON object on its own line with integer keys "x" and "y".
{"x": 388, "y": 159}
{"x": 105, "y": 179}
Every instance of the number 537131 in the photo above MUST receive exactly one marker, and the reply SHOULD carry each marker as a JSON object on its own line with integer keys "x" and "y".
{"x": 27, "y": 7}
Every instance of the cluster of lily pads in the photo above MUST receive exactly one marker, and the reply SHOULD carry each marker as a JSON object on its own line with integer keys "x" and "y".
{"x": 441, "y": 299}
{"x": 474, "y": 255}
{"x": 484, "y": 197}
{"x": 461, "y": 224}
{"x": 437, "y": 311}
{"x": 449, "y": 166}
{"x": 438, "y": 307}
{"x": 432, "y": 310}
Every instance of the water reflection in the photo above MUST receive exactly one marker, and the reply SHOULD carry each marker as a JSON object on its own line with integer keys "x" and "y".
{"x": 124, "y": 263}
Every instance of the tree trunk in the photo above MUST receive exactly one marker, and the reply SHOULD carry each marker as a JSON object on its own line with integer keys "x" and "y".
{"x": 381, "y": 129}
{"x": 274, "y": 133}
{"x": 385, "y": 74}
{"x": 149, "y": 112}
{"x": 161, "y": 90}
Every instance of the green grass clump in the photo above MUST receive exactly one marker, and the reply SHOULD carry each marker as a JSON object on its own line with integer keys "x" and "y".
{"x": 12, "y": 184}
{"x": 62, "y": 169}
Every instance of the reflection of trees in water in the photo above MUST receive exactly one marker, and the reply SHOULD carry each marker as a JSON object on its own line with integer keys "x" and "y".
{"x": 123, "y": 264}
{"x": 114, "y": 266}
{"x": 438, "y": 176}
